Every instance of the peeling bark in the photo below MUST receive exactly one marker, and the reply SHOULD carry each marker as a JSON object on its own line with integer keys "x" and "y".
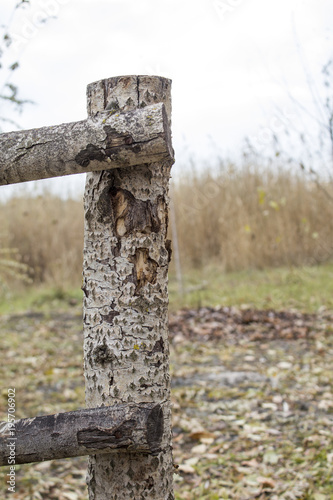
{"x": 126, "y": 257}
{"x": 108, "y": 140}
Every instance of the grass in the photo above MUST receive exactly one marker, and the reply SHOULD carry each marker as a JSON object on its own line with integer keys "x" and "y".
{"x": 39, "y": 298}
{"x": 305, "y": 289}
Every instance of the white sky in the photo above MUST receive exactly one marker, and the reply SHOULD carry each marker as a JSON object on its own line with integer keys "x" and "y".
{"x": 230, "y": 61}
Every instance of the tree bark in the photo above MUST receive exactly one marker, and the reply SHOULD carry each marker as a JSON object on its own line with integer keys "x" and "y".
{"x": 133, "y": 428}
{"x": 110, "y": 140}
{"x": 126, "y": 257}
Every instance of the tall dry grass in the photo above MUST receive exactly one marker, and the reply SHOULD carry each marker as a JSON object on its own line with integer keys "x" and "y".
{"x": 235, "y": 218}
{"x": 252, "y": 217}
{"x": 47, "y": 233}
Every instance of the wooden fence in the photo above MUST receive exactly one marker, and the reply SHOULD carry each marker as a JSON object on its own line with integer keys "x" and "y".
{"x": 125, "y": 148}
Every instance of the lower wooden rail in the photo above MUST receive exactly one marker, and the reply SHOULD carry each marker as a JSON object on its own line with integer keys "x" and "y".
{"x": 131, "y": 427}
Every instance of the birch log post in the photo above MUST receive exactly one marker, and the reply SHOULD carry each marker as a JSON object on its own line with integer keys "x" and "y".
{"x": 126, "y": 257}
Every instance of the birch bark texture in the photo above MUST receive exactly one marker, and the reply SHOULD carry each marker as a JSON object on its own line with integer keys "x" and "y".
{"x": 110, "y": 140}
{"x": 126, "y": 258}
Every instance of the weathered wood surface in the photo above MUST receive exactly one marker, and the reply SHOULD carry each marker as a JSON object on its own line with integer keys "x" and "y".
{"x": 130, "y": 427}
{"x": 111, "y": 139}
{"x": 126, "y": 258}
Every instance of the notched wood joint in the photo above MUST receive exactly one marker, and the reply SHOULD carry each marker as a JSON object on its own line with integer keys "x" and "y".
{"x": 113, "y": 142}
{"x": 100, "y": 438}
{"x": 90, "y": 153}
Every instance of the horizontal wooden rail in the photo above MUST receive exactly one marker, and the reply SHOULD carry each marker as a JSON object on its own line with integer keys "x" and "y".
{"x": 130, "y": 427}
{"x": 110, "y": 140}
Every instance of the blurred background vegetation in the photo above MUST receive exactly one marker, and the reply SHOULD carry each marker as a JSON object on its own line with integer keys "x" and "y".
{"x": 235, "y": 221}
{"x": 239, "y": 221}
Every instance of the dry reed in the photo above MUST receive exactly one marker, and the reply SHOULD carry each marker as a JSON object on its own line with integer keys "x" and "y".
{"x": 251, "y": 217}
{"x": 48, "y": 234}
{"x": 234, "y": 218}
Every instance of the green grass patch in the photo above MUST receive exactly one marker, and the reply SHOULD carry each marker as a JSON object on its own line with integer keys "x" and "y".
{"x": 39, "y": 299}
{"x": 304, "y": 288}
{"x": 301, "y": 288}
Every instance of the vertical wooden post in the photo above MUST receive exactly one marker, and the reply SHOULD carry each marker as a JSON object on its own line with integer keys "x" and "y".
{"x": 126, "y": 257}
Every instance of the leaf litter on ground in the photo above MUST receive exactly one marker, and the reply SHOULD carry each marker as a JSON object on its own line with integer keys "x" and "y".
{"x": 251, "y": 395}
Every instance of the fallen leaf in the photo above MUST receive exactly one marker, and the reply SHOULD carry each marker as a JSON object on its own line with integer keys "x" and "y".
{"x": 284, "y": 365}
{"x": 187, "y": 469}
{"x": 266, "y": 482}
{"x": 251, "y": 463}
{"x": 270, "y": 457}
{"x": 319, "y": 496}
{"x": 199, "y": 435}
{"x": 192, "y": 461}
{"x": 200, "y": 449}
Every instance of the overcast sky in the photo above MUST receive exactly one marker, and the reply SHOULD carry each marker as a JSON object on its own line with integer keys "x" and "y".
{"x": 232, "y": 62}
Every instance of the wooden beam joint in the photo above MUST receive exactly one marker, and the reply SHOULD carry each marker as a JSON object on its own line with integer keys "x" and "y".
{"x": 106, "y": 141}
